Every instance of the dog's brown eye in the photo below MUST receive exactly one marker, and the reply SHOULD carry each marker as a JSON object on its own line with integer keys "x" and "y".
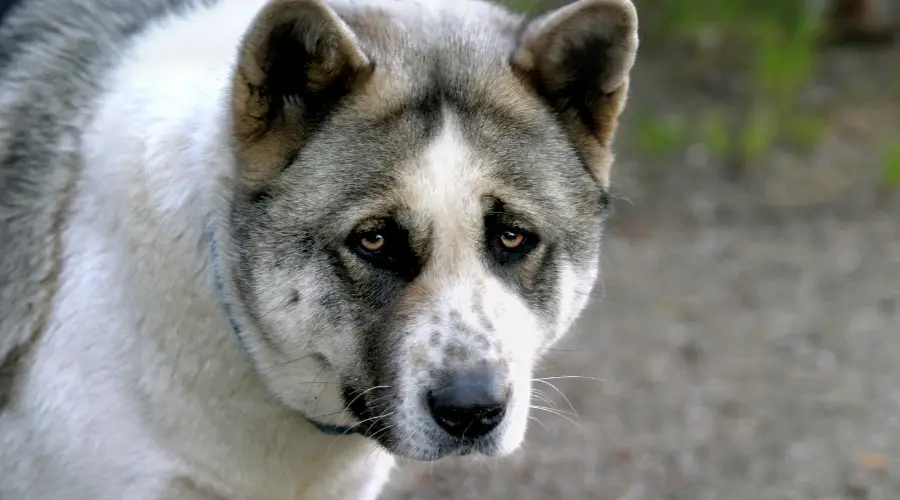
{"x": 512, "y": 240}
{"x": 372, "y": 242}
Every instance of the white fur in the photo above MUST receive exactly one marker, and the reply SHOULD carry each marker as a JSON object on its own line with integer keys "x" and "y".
{"x": 137, "y": 330}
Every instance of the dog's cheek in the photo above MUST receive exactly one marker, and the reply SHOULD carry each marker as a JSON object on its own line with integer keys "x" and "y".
{"x": 575, "y": 285}
{"x": 284, "y": 308}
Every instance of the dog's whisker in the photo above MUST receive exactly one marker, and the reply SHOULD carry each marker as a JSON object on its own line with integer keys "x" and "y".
{"x": 547, "y": 402}
{"x": 379, "y": 433}
{"x": 363, "y": 393}
{"x": 319, "y": 400}
{"x": 542, "y": 397}
{"x": 561, "y": 394}
{"x": 532, "y": 417}
{"x": 558, "y": 413}
{"x": 354, "y": 426}
{"x": 370, "y": 419}
{"x": 572, "y": 376}
{"x": 312, "y": 384}
{"x": 294, "y": 360}
{"x": 326, "y": 415}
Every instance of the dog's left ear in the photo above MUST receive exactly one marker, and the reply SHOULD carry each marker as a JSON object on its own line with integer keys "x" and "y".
{"x": 297, "y": 61}
{"x": 578, "y": 58}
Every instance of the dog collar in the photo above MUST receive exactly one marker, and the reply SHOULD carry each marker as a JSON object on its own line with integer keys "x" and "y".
{"x": 329, "y": 429}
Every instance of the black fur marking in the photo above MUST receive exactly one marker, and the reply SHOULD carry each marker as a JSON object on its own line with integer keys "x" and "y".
{"x": 605, "y": 202}
{"x": 424, "y": 108}
{"x": 396, "y": 256}
{"x": 496, "y": 223}
{"x": 368, "y": 416}
{"x": 5, "y": 7}
{"x": 540, "y": 289}
{"x": 260, "y": 196}
{"x": 535, "y": 281}
{"x": 10, "y": 369}
{"x": 585, "y": 68}
{"x": 291, "y": 60}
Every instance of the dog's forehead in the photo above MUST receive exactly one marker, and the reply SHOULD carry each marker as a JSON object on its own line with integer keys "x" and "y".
{"x": 442, "y": 123}
{"x": 441, "y": 159}
{"x": 448, "y": 182}
{"x": 440, "y": 164}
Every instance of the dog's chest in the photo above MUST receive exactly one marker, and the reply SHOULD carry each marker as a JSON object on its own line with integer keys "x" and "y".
{"x": 309, "y": 470}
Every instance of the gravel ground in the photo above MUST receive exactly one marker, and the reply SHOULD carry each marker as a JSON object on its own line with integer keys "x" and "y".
{"x": 741, "y": 349}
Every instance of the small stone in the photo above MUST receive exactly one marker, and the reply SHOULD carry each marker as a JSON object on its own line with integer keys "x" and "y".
{"x": 691, "y": 352}
{"x": 872, "y": 462}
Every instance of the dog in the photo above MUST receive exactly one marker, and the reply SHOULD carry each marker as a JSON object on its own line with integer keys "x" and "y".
{"x": 264, "y": 248}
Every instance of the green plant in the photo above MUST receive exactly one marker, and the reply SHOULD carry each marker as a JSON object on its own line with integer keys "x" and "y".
{"x": 786, "y": 57}
{"x": 716, "y": 132}
{"x": 759, "y": 132}
{"x": 890, "y": 164}
{"x": 526, "y": 6}
{"x": 805, "y": 130}
{"x": 659, "y": 136}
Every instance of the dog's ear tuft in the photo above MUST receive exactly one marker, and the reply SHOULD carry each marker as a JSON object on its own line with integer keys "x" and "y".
{"x": 296, "y": 62}
{"x": 579, "y": 58}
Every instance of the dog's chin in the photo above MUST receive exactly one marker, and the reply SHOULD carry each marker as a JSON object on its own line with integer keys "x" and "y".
{"x": 432, "y": 451}
{"x": 434, "y": 445}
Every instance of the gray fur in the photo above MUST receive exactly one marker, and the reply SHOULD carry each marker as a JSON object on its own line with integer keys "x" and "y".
{"x": 53, "y": 57}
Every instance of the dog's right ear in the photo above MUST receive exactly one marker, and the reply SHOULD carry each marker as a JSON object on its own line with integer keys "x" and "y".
{"x": 578, "y": 58}
{"x": 296, "y": 62}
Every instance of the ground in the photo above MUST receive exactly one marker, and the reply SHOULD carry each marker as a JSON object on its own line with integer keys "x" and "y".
{"x": 745, "y": 343}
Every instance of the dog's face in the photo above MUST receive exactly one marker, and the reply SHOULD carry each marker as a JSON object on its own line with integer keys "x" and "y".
{"x": 420, "y": 208}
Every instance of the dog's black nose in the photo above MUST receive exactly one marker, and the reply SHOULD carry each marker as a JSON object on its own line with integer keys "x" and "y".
{"x": 468, "y": 404}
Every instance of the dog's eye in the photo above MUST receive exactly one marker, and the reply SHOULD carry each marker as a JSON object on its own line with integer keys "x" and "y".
{"x": 385, "y": 245}
{"x": 509, "y": 244}
{"x": 371, "y": 242}
{"x": 512, "y": 239}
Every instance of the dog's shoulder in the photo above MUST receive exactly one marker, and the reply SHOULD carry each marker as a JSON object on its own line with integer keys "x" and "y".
{"x": 53, "y": 58}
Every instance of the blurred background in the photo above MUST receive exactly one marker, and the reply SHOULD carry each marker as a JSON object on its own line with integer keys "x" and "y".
{"x": 745, "y": 344}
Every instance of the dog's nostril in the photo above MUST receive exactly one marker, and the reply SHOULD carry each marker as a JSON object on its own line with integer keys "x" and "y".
{"x": 468, "y": 404}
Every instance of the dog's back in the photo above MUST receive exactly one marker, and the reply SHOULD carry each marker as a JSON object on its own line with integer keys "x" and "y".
{"x": 53, "y": 57}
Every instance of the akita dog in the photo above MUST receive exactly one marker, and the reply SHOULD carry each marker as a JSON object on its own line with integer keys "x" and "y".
{"x": 258, "y": 249}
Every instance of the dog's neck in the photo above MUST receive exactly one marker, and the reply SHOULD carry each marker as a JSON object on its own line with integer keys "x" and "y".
{"x": 329, "y": 429}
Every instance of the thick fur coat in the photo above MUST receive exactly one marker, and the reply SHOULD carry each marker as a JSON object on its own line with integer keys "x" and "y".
{"x": 228, "y": 226}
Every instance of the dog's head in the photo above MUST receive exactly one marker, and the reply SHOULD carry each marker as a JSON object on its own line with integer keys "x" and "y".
{"x": 421, "y": 194}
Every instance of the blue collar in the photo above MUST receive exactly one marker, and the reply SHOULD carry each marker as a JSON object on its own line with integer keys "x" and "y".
{"x": 329, "y": 429}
